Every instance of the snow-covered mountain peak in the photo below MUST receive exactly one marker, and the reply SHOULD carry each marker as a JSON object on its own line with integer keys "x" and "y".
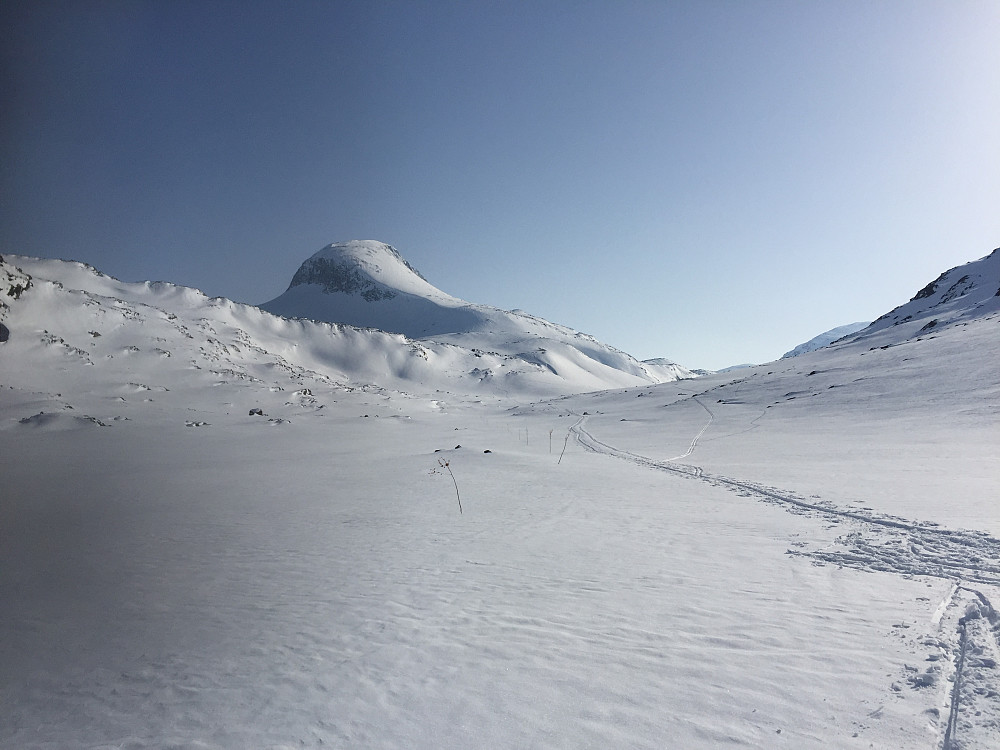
{"x": 374, "y": 270}
{"x": 368, "y": 284}
{"x": 981, "y": 275}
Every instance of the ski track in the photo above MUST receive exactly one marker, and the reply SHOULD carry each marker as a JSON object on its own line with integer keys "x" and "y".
{"x": 890, "y": 544}
{"x": 694, "y": 441}
{"x": 949, "y": 742}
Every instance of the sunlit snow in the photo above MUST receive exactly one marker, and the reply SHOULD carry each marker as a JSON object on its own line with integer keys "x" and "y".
{"x": 226, "y": 529}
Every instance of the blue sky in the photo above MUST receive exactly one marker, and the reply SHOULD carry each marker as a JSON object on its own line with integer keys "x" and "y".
{"x": 713, "y": 182}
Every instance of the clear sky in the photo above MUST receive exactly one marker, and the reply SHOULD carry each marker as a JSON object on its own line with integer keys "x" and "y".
{"x": 713, "y": 182}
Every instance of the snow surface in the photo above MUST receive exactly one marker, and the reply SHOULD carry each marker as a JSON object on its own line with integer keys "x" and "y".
{"x": 802, "y": 554}
{"x": 667, "y": 370}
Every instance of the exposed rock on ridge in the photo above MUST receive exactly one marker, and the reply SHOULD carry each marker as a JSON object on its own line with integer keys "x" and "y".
{"x": 351, "y": 268}
{"x": 967, "y": 291}
{"x": 340, "y": 277}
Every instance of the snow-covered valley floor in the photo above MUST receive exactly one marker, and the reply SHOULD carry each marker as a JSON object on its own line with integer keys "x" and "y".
{"x": 801, "y": 555}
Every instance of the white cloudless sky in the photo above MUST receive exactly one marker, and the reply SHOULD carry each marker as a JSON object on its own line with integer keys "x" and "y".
{"x": 713, "y": 182}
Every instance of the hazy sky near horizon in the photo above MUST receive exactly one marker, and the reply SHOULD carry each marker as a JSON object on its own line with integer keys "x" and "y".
{"x": 713, "y": 182}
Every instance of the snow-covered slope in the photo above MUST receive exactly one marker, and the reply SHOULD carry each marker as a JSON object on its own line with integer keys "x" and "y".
{"x": 960, "y": 294}
{"x": 69, "y": 303}
{"x": 367, "y": 283}
{"x": 216, "y": 532}
{"x": 824, "y": 339}
{"x": 666, "y": 370}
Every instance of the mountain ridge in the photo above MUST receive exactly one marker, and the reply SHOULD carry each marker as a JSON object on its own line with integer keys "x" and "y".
{"x": 159, "y": 324}
{"x": 825, "y": 339}
{"x": 967, "y": 291}
{"x": 368, "y": 283}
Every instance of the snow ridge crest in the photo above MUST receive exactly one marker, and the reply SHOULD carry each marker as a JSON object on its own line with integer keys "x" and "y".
{"x": 961, "y": 293}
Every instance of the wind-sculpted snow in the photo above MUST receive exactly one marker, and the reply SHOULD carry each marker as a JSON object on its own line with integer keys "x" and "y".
{"x": 224, "y": 529}
{"x": 889, "y": 544}
{"x": 882, "y": 542}
{"x": 815, "y": 420}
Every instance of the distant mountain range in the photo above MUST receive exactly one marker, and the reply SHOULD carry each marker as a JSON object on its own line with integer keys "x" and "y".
{"x": 58, "y": 313}
{"x": 388, "y": 327}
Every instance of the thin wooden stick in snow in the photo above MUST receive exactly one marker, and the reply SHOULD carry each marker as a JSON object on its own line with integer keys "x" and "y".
{"x": 447, "y": 465}
{"x": 564, "y": 448}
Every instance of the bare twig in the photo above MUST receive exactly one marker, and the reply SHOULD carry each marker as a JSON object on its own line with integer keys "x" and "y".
{"x": 447, "y": 465}
{"x": 564, "y": 448}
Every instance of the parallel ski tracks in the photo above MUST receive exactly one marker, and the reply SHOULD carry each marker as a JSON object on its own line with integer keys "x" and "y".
{"x": 950, "y": 732}
{"x": 913, "y": 548}
{"x": 885, "y": 544}
{"x": 694, "y": 441}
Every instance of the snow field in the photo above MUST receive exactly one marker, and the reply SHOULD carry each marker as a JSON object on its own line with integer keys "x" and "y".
{"x": 322, "y": 586}
{"x": 217, "y": 531}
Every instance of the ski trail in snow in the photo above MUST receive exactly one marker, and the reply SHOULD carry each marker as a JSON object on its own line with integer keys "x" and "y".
{"x": 894, "y": 545}
{"x": 956, "y": 690}
{"x": 946, "y": 602}
{"x": 694, "y": 441}
{"x": 975, "y": 684}
{"x": 881, "y": 542}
